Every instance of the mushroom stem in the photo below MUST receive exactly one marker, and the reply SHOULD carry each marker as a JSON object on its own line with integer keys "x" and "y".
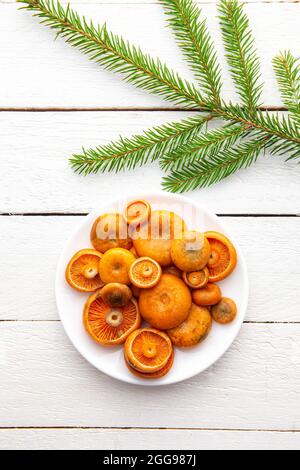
{"x": 90, "y": 271}
{"x": 147, "y": 271}
{"x": 114, "y": 318}
{"x": 149, "y": 350}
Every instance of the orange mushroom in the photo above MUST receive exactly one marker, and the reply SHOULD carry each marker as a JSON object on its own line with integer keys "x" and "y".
{"x": 137, "y": 212}
{"x": 115, "y": 265}
{"x": 152, "y": 375}
{"x": 194, "y": 329}
{"x": 209, "y": 295}
{"x": 191, "y": 252}
{"x": 110, "y": 326}
{"x": 167, "y": 304}
{"x": 145, "y": 272}
{"x": 116, "y": 294}
{"x": 196, "y": 279}
{"x": 110, "y": 231}
{"x": 82, "y": 272}
{"x": 223, "y": 257}
{"x": 148, "y": 350}
{"x": 154, "y": 240}
{"x": 225, "y": 311}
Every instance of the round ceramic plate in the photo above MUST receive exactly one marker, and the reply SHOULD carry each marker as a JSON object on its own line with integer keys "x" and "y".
{"x": 188, "y": 362}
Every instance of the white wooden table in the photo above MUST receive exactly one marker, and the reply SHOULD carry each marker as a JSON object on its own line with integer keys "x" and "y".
{"x": 53, "y": 101}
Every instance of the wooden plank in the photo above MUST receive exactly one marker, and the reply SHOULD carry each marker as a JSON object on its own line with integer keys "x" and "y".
{"x": 117, "y": 439}
{"x": 31, "y": 247}
{"x": 46, "y": 383}
{"x": 38, "y": 72}
{"x": 38, "y": 178}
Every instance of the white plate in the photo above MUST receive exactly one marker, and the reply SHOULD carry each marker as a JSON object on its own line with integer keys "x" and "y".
{"x": 188, "y": 362}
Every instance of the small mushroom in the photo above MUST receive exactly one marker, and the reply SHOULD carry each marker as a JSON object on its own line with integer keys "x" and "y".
{"x": 116, "y": 294}
{"x": 145, "y": 272}
{"x": 137, "y": 212}
{"x": 225, "y": 311}
{"x": 209, "y": 295}
{"x": 196, "y": 279}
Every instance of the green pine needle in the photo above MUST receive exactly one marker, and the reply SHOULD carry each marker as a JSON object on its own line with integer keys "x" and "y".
{"x": 128, "y": 153}
{"x": 241, "y": 55}
{"x": 208, "y": 172}
{"x": 203, "y": 146}
{"x": 287, "y": 71}
{"x": 196, "y": 156}
{"x": 263, "y": 122}
{"x": 193, "y": 37}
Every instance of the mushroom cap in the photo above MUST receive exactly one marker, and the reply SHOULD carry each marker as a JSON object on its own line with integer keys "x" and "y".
{"x": 223, "y": 257}
{"x": 196, "y": 279}
{"x": 145, "y": 272}
{"x": 194, "y": 329}
{"x": 148, "y": 350}
{"x": 110, "y": 231}
{"x": 191, "y": 252}
{"x": 137, "y": 212}
{"x": 154, "y": 239}
{"x": 209, "y": 295}
{"x": 82, "y": 271}
{"x": 116, "y": 294}
{"x": 167, "y": 304}
{"x": 115, "y": 264}
{"x": 151, "y": 375}
{"x": 225, "y": 311}
{"x": 109, "y": 326}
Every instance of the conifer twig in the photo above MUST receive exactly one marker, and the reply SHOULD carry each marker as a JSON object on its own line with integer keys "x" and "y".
{"x": 203, "y": 146}
{"x": 204, "y": 173}
{"x": 127, "y": 153}
{"x": 193, "y": 37}
{"x": 240, "y": 52}
{"x": 287, "y": 71}
{"x": 196, "y": 156}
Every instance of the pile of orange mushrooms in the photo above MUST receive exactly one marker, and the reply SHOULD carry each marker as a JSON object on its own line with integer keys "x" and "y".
{"x": 146, "y": 265}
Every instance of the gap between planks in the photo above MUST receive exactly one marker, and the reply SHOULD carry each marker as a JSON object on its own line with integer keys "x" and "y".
{"x": 294, "y": 431}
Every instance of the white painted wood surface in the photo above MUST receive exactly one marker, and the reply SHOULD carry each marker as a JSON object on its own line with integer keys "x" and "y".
{"x": 45, "y": 382}
{"x": 250, "y": 398}
{"x": 118, "y": 439}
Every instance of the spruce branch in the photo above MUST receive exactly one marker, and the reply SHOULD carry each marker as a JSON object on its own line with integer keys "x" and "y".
{"x": 241, "y": 55}
{"x": 193, "y": 38}
{"x": 196, "y": 156}
{"x": 204, "y": 173}
{"x": 205, "y": 145}
{"x": 127, "y": 153}
{"x": 287, "y": 71}
{"x": 116, "y": 54}
{"x": 282, "y": 132}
